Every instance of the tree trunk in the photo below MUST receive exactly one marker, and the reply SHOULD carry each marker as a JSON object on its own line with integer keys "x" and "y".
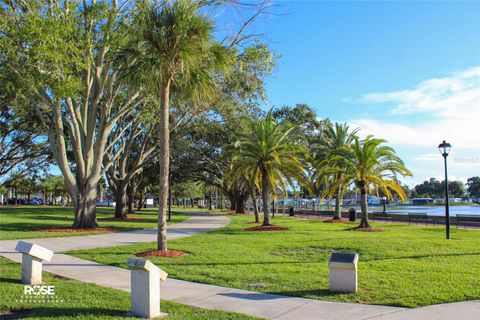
{"x": 266, "y": 199}
{"x": 253, "y": 196}
{"x": 337, "y": 215}
{"x": 240, "y": 206}
{"x": 233, "y": 201}
{"x": 164, "y": 158}
{"x": 140, "y": 200}
{"x": 120, "y": 201}
{"x": 364, "y": 207}
{"x": 130, "y": 198}
{"x": 255, "y": 210}
{"x": 85, "y": 206}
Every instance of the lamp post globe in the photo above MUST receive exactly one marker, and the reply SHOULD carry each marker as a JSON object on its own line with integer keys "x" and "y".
{"x": 444, "y": 149}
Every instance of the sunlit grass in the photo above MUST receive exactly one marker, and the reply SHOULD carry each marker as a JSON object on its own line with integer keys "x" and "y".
{"x": 78, "y": 300}
{"x": 17, "y": 222}
{"x": 404, "y": 266}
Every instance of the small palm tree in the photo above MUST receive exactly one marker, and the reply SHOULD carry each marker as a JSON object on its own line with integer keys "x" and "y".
{"x": 335, "y": 137}
{"x": 371, "y": 166}
{"x": 172, "y": 55}
{"x": 269, "y": 154}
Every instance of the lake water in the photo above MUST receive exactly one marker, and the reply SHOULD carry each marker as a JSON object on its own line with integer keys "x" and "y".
{"x": 432, "y": 210}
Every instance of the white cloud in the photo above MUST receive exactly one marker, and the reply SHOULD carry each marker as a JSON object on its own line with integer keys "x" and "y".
{"x": 428, "y": 157}
{"x": 441, "y": 97}
{"x": 450, "y": 107}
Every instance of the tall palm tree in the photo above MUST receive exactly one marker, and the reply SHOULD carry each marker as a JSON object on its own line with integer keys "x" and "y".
{"x": 335, "y": 137}
{"x": 371, "y": 166}
{"x": 268, "y": 153}
{"x": 172, "y": 55}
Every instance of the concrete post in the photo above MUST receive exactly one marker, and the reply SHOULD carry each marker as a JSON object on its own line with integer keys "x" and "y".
{"x": 343, "y": 272}
{"x": 32, "y": 257}
{"x": 145, "y": 288}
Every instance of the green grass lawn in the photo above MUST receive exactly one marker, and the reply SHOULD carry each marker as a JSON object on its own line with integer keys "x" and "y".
{"x": 407, "y": 266}
{"x": 78, "y": 300}
{"x": 17, "y": 222}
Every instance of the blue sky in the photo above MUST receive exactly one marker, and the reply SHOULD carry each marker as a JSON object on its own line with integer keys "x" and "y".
{"x": 405, "y": 71}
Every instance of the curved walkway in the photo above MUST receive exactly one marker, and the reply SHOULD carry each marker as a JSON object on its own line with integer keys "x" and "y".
{"x": 216, "y": 297}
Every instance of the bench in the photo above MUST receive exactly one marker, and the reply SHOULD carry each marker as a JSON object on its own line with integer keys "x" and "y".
{"x": 382, "y": 216}
{"x": 420, "y": 217}
{"x": 467, "y": 218}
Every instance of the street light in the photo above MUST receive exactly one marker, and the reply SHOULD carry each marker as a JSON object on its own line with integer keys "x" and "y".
{"x": 444, "y": 148}
{"x": 384, "y": 204}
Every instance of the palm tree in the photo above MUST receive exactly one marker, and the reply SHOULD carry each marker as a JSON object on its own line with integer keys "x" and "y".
{"x": 335, "y": 137}
{"x": 267, "y": 152}
{"x": 371, "y": 166}
{"x": 173, "y": 55}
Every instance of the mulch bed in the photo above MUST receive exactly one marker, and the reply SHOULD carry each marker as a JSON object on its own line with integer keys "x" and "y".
{"x": 161, "y": 253}
{"x": 367, "y": 229}
{"x": 56, "y": 230}
{"x": 342, "y": 220}
{"x": 267, "y": 228}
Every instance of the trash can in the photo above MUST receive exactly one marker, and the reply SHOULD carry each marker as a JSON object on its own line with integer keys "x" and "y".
{"x": 291, "y": 212}
{"x": 352, "y": 214}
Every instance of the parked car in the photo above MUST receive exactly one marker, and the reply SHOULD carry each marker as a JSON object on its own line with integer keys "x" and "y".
{"x": 36, "y": 201}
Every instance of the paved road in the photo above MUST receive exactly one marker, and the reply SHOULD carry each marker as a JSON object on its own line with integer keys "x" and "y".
{"x": 216, "y": 297}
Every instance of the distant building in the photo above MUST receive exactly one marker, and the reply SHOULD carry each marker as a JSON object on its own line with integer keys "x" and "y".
{"x": 451, "y": 200}
{"x": 422, "y": 201}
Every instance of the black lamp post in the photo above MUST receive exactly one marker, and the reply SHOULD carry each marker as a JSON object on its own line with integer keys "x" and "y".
{"x": 444, "y": 148}
{"x": 384, "y": 204}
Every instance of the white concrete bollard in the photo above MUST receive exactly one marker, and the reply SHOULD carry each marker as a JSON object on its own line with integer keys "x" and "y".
{"x": 145, "y": 288}
{"x": 343, "y": 272}
{"x": 32, "y": 257}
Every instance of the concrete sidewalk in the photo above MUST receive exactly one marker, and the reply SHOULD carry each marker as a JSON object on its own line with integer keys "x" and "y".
{"x": 216, "y": 297}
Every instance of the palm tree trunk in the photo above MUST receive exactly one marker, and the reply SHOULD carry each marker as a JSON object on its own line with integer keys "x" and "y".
{"x": 364, "y": 207}
{"x": 253, "y": 196}
{"x": 255, "y": 209}
{"x": 337, "y": 215}
{"x": 266, "y": 199}
{"x": 164, "y": 156}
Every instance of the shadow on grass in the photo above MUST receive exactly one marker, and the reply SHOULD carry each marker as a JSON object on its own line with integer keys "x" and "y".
{"x": 9, "y": 280}
{"x": 307, "y": 293}
{"x": 232, "y": 263}
{"x": 133, "y": 220}
{"x": 251, "y": 296}
{"x": 424, "y": 256}
{"x": 58, "y": 312}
